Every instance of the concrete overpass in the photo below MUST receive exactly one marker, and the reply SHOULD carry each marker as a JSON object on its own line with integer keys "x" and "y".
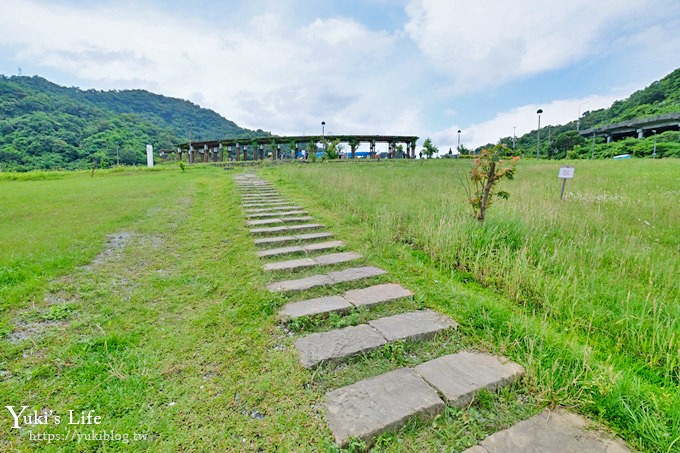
{"x": 639, "y": 127}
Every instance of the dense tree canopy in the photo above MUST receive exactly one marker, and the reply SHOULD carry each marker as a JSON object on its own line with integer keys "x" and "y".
{"x": 46, "y": 126}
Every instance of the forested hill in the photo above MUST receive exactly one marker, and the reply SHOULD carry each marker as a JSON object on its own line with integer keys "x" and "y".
{"x": 47, "y": 126}
{"x": 561, "y": 141}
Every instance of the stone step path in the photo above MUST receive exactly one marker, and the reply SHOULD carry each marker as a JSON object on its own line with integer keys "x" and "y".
{"x": 287, "y": 228}
{"x": 270, "y": 221}
{"x": 370, "y": 407}
{"x": 321, "y": 260}
{"x": 341, "y": 343}
{"x": 386, "y": 402}
{"x": 331, "y": 278}
{"x": 317, "y": 246}
{"x": 354, "y": 298}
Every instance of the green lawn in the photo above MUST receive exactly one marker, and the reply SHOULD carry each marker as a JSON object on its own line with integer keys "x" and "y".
{"x": 167, "y": 331}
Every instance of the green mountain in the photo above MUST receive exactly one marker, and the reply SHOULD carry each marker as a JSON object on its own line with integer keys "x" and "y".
{"x": 47, "y": 126}
{"x": 558, "y": 142}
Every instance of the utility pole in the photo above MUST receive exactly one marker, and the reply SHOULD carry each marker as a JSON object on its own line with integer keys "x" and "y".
{"x": 538, "y": 143}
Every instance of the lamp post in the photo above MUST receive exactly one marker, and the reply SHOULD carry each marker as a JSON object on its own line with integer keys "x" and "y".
{"x": 458, "y": 141}
{"x": 592, "y": 148}
{"x": 654, "y": 152}
{"x": 323, "y": 125}
{"x": 578, "y": 118}
{"x": 117, "y": 154}
{"x": 538, "y": 143}
{"x": 514, "y": 137}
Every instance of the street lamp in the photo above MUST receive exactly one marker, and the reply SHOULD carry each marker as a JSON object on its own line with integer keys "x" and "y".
{"x": 458, "y": 141}
{"x": 654, "y": 152}
{"x": 514, "y": 137}
{"x": 538, "y": 144}
{"x": 117, "y": 154}
{"x": 323, "y": 125}
{"x": 578, "y": 118}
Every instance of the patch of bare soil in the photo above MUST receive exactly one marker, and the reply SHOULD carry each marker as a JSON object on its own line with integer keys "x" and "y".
{"x": 114, "y": 246}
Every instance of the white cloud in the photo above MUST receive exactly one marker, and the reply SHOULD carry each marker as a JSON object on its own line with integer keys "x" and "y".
{"x": 260, "y": 73}
{"x": 523, "y": 119}
{"x": 486, "y": 43}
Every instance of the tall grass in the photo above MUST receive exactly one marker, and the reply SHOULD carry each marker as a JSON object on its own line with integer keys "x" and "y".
{"x": 600, "y": 268}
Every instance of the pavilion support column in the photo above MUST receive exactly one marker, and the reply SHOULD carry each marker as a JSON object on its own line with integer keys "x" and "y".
{"x": 609, "y": 138}
{"x": 641, "y": 133}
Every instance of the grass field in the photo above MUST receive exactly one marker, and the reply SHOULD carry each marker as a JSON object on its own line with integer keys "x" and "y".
{"x": 137, "y": 294}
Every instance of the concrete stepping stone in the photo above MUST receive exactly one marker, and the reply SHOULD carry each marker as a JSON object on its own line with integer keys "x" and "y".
{"x": 260, "y": 196}
{"x": 278, "y": 208}
{"x": 337, "y": 344}
{"x": 263, "y": 222}
{"x": 289, "y": 264}
{"x": 347, "y": 275}
{"x": 265, "y": 204}
{"x": 380, "y": 404}
{"x": 415, "y": 325}
{"x": 279, "y": 220}
{"x": 322, "y": 260}
{"x": 263, "y": 200}
{"x": 301, "y": 248}
{"x": 286, "y": 228}
{"x": 353, "y": 298}
{"x": 275, "y": 214}
{"x": 459, "y": 376}
{"x": 342, "y": 343}
{"x": 309, "y": 307}
{"x": 551, "y": 431}
{"x": 376, "y": 294}
{"x": 294, "y": 238}
{"x": 355, "y": 273}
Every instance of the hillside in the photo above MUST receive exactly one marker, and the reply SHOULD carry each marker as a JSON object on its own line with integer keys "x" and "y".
{"x": 47, "y": 126}
{"x": 560, "y": 141}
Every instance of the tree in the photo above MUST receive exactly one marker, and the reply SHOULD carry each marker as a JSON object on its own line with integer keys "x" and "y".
{"x": 487, "y": 171}
{"x": 353, "y": 143}
{"x": 429, "y": 149}
{"x": 332, "y": 148}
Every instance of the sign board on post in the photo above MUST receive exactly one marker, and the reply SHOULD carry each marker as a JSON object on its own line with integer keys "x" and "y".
{"x": 565, "y": 173}
{"x": 149, "y": 156}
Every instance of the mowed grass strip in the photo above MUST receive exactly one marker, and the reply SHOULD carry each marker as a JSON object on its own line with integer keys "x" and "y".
{"x": 584, "y": 293}
{"x": 165, "y": 330}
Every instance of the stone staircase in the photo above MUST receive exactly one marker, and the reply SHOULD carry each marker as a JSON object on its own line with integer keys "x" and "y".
{"x": 383, "y": 403}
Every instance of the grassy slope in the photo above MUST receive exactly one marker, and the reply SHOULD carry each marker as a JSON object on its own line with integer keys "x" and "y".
{"x": 171, "y": 336}
{"x": 586, "y": 291}
{"x": 174, "y": 337}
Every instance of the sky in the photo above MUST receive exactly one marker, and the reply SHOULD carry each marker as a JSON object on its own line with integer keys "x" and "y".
{"x": 394, "y": 67}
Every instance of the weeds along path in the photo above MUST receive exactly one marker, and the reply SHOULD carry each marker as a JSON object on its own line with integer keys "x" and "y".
{"x": 384, "y": 360}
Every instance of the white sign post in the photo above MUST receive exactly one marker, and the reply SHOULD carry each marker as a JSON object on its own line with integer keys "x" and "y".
{"x": 565, "y": 173}
{"x": 149, "y": 156}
